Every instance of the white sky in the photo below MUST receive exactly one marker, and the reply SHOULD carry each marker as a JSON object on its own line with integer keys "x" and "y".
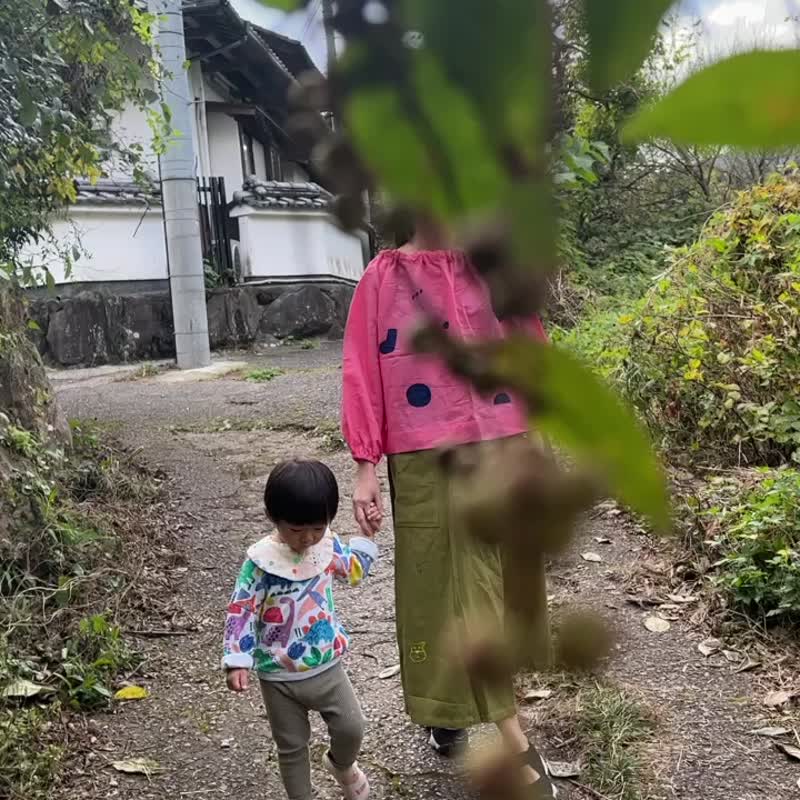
{"x": 725, "y": 23}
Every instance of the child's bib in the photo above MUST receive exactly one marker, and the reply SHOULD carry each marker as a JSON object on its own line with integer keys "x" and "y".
{"x": 277, "y": 558}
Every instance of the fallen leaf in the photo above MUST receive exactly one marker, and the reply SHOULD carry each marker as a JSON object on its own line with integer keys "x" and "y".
{"x": 389, "y": 672}
{"x": 789, "y": 749}
{"x": 732, "y": 655}
{"x": 682, "y": 598}
{"x": 563, "y": 769}
{"x": 602, "y": 540}
{"x": 538, "y": 694}
{"x": 748, "y": 665}
{"x": 593, "y": 557}
{"x": 138, "y": 766}
{"x": 657, "y": 625}
{"x": 709, "y": 646}
{"x": 770, "y": 733}
{"x": 777, "y": 699}
{"x": 24, "y": 688}
{"x": 132, "y": 693}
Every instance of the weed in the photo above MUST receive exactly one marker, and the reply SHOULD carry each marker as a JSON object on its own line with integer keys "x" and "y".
{"x": 147, "y": 370}
{"x": 612, "y": 727}
{"x": 264, "y": 375}
{"x": 29, "y": 761}
{"x": 20, "y": 441}
{"x": 307, "y": 344}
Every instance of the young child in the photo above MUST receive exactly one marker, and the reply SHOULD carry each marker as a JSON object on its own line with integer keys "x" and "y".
{"x": 282, "y": 623}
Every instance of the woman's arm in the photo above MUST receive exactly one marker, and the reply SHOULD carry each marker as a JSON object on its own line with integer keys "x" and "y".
{"x": 362, "y": 401}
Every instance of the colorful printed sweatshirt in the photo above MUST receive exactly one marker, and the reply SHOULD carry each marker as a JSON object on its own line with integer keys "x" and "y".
{"x": 281, "y": 617}
{"x": 397, "y": 401}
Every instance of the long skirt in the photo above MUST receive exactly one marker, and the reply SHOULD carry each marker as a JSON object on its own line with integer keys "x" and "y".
{"x": 442, "y": 574}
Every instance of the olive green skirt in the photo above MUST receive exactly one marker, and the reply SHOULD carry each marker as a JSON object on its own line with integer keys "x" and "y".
{"x": 443, "y": 574}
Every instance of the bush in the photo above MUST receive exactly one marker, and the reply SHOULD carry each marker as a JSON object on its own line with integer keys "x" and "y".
{"x": 756, "y": 534}
{"x": 714, "y": 357}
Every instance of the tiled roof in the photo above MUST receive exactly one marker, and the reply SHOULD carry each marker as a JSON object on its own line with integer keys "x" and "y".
{"x": 122, "y": 193}
{"x": 282, "y": 195}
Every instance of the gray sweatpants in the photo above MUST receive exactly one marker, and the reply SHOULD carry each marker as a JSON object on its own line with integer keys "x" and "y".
{"x": 288, "y": 703}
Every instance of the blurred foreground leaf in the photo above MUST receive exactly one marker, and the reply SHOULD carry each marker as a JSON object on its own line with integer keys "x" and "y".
{"x": 283, "y": 5}
{"x": 621, "y": 33}
{"x": 750, "y": 100}
{"x": 574, "y": 407}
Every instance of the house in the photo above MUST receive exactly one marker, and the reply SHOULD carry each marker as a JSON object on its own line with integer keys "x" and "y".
{"x": 264, "y": 219}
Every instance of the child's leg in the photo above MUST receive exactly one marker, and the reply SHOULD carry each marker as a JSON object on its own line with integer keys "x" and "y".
{"x": 336, "y": 701}
{"x": 288, "y": 718}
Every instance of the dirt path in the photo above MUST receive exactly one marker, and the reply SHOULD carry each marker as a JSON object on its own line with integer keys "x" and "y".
{"x": 214, "y": 745}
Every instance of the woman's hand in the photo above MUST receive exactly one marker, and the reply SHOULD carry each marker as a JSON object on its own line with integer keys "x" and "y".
{"x": 237, "y": 679}
{"x": 367, "y": 503}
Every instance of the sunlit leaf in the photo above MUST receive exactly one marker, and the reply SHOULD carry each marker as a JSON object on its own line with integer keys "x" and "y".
{"x": 499, "y": 55}
{"x": 574, "y": 407}
{"x": 132, "y": 693}
{"x": 138, "y": 766}
{"x": 751, "y": 100}
{"x": 426, "y": 144}
{"x": 621, "y": 33}
{"x": 23, "y": 688}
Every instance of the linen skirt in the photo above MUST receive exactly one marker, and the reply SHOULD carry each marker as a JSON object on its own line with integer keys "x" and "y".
{"x": 444, "y": 574}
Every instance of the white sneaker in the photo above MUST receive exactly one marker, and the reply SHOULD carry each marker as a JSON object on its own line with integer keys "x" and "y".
{"x": 353, "y": 781}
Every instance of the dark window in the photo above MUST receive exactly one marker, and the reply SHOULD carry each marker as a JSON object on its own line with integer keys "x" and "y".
{"x": 248, "y": 156}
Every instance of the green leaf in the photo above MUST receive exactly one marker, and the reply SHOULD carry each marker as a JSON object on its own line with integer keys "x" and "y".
{"x": 751, "y": 100}
{"x": 282, "y": 5}
{"x": 51, "y": 281}
{"x": 33, "y": 325}
{"x": 498, "y": 54}
{"x": 574, "y": 407}
{"x": 621, "y": 33}
{"x": 425, "y": 141}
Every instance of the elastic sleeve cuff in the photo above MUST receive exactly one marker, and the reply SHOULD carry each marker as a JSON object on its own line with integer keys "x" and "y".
{"x": 363, "y": 545}
{"x": 237, "y": 661}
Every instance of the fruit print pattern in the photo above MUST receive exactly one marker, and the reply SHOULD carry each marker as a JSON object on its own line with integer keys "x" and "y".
{"x": 284, "y": 628}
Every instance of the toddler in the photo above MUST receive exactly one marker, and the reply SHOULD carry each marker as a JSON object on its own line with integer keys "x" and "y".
{"x": 282, "y": 623}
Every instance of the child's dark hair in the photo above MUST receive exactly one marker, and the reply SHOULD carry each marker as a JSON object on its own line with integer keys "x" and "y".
{"x": 302, "y": 492}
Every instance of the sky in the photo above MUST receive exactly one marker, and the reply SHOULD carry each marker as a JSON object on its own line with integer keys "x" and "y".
{"x": 725, "y": 23}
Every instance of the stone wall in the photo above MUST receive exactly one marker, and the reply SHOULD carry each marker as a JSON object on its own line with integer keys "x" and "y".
{"x": 96, "y": 327}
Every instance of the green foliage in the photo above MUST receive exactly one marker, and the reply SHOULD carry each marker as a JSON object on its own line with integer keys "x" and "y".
{"x": 29, "y": 761}
{"x": 756, "y": 537}
{"x": 714, "y": 356}
{"x": 19, "y": 440}
{"x": 64, "y": 74}
{"x": 749, "y": 100}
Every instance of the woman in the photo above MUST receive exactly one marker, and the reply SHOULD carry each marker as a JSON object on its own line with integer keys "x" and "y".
{"x": 403, "y": 405}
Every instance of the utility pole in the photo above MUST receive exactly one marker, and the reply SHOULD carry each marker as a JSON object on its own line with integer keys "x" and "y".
{"x": 179, "y": 196}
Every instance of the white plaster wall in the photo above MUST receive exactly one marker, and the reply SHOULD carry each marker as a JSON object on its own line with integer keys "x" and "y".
{"x": 131, "y": 127}
{"x": 260, "y": 157}
{"x": 225, "y": 151}
{"x": 122, "y": 244}
{"x": 278, "y": 245}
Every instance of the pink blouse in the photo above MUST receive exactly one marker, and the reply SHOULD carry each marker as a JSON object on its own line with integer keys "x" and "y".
{"x": 397, "y": 401}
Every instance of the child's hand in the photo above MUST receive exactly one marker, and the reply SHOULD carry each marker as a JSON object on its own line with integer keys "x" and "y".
{"x": 238, "y": 679}
{"x": 374, "y": 517}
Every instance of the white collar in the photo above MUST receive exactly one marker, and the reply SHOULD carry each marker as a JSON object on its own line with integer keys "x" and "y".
{"x": 277, "y": 558}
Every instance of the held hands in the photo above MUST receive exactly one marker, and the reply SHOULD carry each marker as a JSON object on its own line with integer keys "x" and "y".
{"x": 367, "y": 503}
{"x": 238, "y": 679}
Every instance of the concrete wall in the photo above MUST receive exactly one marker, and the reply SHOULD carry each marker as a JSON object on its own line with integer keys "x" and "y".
{"x": 292, "y": 245}
{"x": 225, "y": 150}
{"x": 122, "y": 243}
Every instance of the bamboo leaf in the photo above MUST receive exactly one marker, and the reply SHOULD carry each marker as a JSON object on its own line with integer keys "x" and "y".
{"x": 751, "y": 100}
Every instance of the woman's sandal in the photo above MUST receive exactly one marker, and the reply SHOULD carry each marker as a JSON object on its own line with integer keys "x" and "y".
{"x": 543, "y": 788}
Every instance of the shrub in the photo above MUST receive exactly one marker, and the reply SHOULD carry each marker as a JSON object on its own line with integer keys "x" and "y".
{"x": 714, "y": 357}
{"x": 756, "y": 534}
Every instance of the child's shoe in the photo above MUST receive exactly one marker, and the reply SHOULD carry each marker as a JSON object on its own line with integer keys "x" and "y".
{"x": 353, "y": 781}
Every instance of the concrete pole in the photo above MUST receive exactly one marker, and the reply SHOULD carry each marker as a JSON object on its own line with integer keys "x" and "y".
{"x": 179, "y": 196}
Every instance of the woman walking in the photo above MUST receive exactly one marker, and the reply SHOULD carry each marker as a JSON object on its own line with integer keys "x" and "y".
{"x": 404, "y": 406}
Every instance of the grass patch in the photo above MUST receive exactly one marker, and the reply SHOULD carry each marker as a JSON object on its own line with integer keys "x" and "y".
{"x": 612, "y": 727}
{"x": 147, "y": 370}
{"x": 264, "y": 375}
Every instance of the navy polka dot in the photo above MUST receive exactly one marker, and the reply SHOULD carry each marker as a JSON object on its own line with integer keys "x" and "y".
{"x": 389, "y": 344}
{"x": 501, "y": 399}
{"x": 418, "y": 395}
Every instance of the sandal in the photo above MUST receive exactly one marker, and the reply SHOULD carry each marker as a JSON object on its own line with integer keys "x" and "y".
{"x": 353, "y": 781}
{"x": 543, "y": 788}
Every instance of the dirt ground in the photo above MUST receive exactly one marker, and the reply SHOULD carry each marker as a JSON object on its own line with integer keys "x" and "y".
{"x": 217, "y": 440}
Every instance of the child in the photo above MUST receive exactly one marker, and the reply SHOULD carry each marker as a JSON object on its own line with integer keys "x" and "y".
{"x": 281, "y": 621}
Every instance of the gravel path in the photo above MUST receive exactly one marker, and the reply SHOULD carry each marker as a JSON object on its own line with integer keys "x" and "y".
{"x": 214, "y": 745}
